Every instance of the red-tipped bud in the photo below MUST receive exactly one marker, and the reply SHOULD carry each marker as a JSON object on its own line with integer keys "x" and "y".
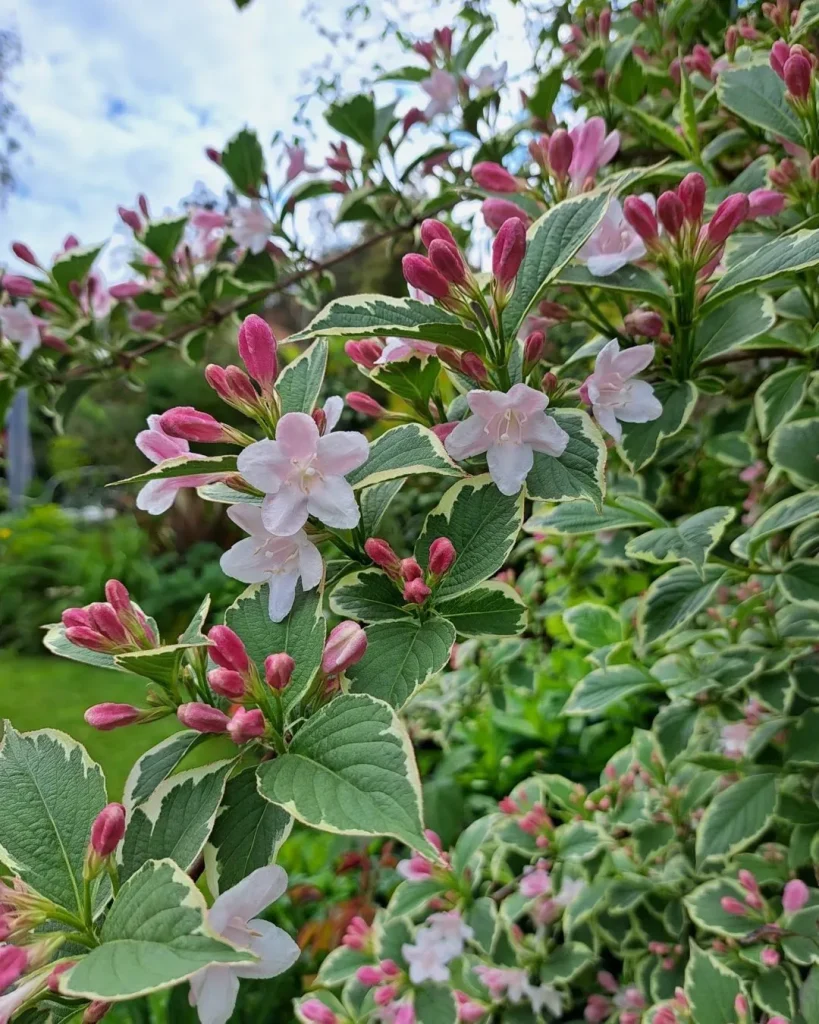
{"x": 637, "y": 10}
{"x": 671, "y": 213}
{"x": 130, "y": 218}
{"x": 13, "y": 962}
{"x": 813, "y": 170}
{"x": 76, "y": 617}
{"x": 202, "y": 717}
{"x": 691, "y": 191}
{"x": 108, "y": 829}
{"x": 319, "y": 417}
{"x": 345, "y": 646}
{"x": 731, "y": 41}
{"x": 741, "y": 1006}
{"x": 366, "y": 353}
{"x": 442, "y": 556}
{"x": 496, "y": 212}
{"x": 226, "y": 683}
{"x": 797, "y": 73}
{"x": 142, "y": 203}
{"x": 278, "y": 670}
{"x": 494, "y": 178}
{"x": 549, "y": 383}
{"x": 217, "y": 379}
{"x": 365, "y": 404}
{"x": 257, "y": 347}
{"x": 112, "y": 716}
{"x": 117, "y": 595}
{"x": 473, "y": 366}
{"x": 420, "y": 273}
{"x": 432, "y": 230}
{"x": 533, "y": 348}
{"x": 246, "y": 725}
{"x": 730, "y": 213}
{"x": 416, "y": 591}
{"x": 228, "y": 650}
{"x": 448, "y": 356}
{"x": 380, "y": 552}
{"x": 641, "y": 217}
{"x": 448, "y": 261}
{"x": 17, "y": 286}
{"x": 192, "y": 425}
{"x": 644, "y": 323}
{"x": 22, "y": 252}
{"x": 410, "y": 569}
{"x": 508, "y": 251}
{"x": 90, "y": 639}
{"x": 561, "y": 151}
{"x": 443, "y": 37}
{"x": 763, "y": 202}
{"x": 317, "y": 1012}
{"x": 213, "y": 155}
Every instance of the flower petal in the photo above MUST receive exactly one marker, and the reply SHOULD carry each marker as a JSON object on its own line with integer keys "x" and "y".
{"x": 247, "y": 518}
{"x": 526, "y": 400}
{"x": 332, "y": 500}
{"x": 249, "y": 897}
{"x": 214, "y": 992}
{"x": 285, "y": 512}
{"x": 467, "y": 439}
{"x": 282, "y": 589}
{"x": 605, "y": 362}
{"x": 341, "y": 453}
{"x": 509, "y": 465}
{"x": 605, "y": 264}
{"x": 311, "y": 565}
{"x": 633, "y": 360}
{"x": 157, "y": 496}
{"x": 487, "y": 404}
{"x": 608, "y": 421}
{"x": 642, "y": 405}
{"x": 275, "y": 949}
{"x": 158, "y": 446}
{"x": 264, "y": 465}
{"x": 333, "y": 408}
{"x": 297, "y": 435}
{"x": 244, "y": 562}
{"x": 545, "y": 435}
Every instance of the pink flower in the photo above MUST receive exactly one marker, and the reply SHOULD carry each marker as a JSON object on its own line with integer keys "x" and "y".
{"x": 415, "y": 869}
{"x": 509, "y": 427}
{"x": 214, "y": 989}
{"x": 278, "y": 561}
{"x": 535, "y": 882}
{"x": 442, "y": 89}
{"x": 613, "y": 243}
{"x": 611, "y": 393}
{"x": 448, "y": 930}
{"x": 427, "y": 960}
{"x": 11, "y": 1002}
{"x": 489, "y": 77}
{"x": 763, "y": 202}
{"x": 734, "y": 739}
{"x": 398, "y": 350}
{"x": 297, "y": 162}
{"x": 250, "y": 226}
{"x": 21, "y": 325}
{"x": 302, "y": 473}
{"x": 593, "y": 149}
{"x": 795, "y": 896}
{"x": 157, "y": 496}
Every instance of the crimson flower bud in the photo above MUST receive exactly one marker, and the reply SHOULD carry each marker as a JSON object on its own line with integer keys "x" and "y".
{"x": 105, "y": 620}
{"x": 213, "y": 155}
{"x": 671, "y": 213}
{"x": 605, "y": 22}
{"x": 494, "y": 177}
{"x": 554, "y": 311}
{"x": 727, "y": 217}
{"x": 763, "y": 202}
{"x": 22, "y": 252}
{"x": 257, "y": 347}
{"x": 413, "y": 116}
{"x": 345, "y": 646}
{"x": 733, "y": 906}
{"x": 108, "y": 829}
{"x": 202, "y": 717}
{"x": 76, "y": 617}
{"x": 13, "y": 961}
{"x": 369, "y": 975}
{"x": 561, "y": 151}
{"x": 770, "y": 958}
{"x": 416, "y": 591}
{"x": 533, "y": 348}
{"x": 741, "y": 1006}
{"x": 539, "y": 151}
{"x": 643, "y": 322}
{"x": 319, "y": 417}
{"x": 228, "y": 650}
{"x": 448, "y": 356}
{"x": 239, "y": 386}
{"x": 448, "y": 261}
{"x": 84, "y": 636}
{"x": 549, "y": 383}
{"x": 278, "y": 670}
{"x": 130, "y": 218}
{"x": 797, "y": 74}
{"x": 226, "y": 683}
{"x": 691, "y": 191}
{"x": 216, "y": 377}
{"x": 57, "y": 971}
{"x": 117, "y": 595}
{"x": 641, "y": 217}
{"x": 731, "y": 41}
{"x": 410, "y": 569}
{"x": 780, "y": 53}
{"x": 126, "y": 290}
{"x": 637, "y": 10}
{"x": 17, "y": 286}
{"x": 246, "y": 725}
{"x": 109, "y": 716}
{"x": 142, "y": 203}
{"x": 443, "y": 430}
{"x": 317, "y": 1012}
{"x": 433, "y": 229}
{"x": 442, "y": 556}
{"x": 192, "y": 425}
{"x": 380, "y": 552}
{"x": 95, "y": 1011}
{"x": 365, "y": 404}
{"x": 508, "y": 251}
{"x": 473, "y": 366}
{"x": 420, "y": 273}
{"x": 443, "y": 37}
{"x": 813, "y": 170}
{"x": 366, "y": 353}
{"x": 496, "y": 212}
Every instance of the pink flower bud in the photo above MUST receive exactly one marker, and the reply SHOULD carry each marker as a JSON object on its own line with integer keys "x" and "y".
{"x": 494, "y": 178}
{"x": 109, "y": 716}
{"x": 17, "y": 286}
{"x": 53, "y": 980}
{"x": 246, "y": 725}
{"x": 108, "y": 829}
{"x": 795, "y": 896}
{"x": 117, "y": 595}
{"x": 213, "y": 155}
{"x": 76, "y": 617}
{"x": 508, "y": 251}
{"x": 733, "y": 906}
{"x": 473, "y": 366}
{"x": 416, "y": 591}
{"x": 144, "y": 320}
{"x": 420, "y": 273}
{"x": 22, "y": 252}
{"x": 257, "y": 347}
{"x": 365, "y": 352}
{"x": 278, "y": 670}
{"x": 413, "y": 116}
{"x": 432, "y": 230}
{"x": 643, "y": 322}
{"x": 797, "y": 73}
{"x": 228, "y": 650}
{"x": 496, "y": 212}
{"x": 90, "y": 639}
{"x": 202, "y": 717}
{"x": 365, "y": 404}
{"x": 665, "y": 1015}
{"x": 561, "y": 151}
{"x": 389, "y": 968}
{"x": 533, "y": 348}
{"x": 188, "y": 423}
{"x": 671, "y": 213}
{"x": 730, "y": 213}
{"x": 770, "y": 957}
{"x": 105, "y": 620}
{"x": 380, "y": 552}
{"x": 763, "y": 202}
{"x": 605, "y": 22}
{"x": 448, "y": 261}
{"x": 443, "y": 430}
{"x": 96, "y": 1011}
{"x": 780, "y": 53}
{"x": 345, "y": 646}
{"x": 385, "y": 995}
{"x": 13, "y": 961}
{"x": 741, "y": 1006}
{"x": 126, "y": 290}
{"x": 317, "y": 1012}
{"x": 226, "y": 683}
{"x": 641, "y": 217}
{"x": 369, "y": 975}
{"x": 130, "y": 218}
{"x": 442, "y": 556}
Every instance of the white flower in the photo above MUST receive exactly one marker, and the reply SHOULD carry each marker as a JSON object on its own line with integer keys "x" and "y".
{"x": 541, "y": 996}
{"x": 250, "y": 226}
{"x": 569, "y": 889}
{"x": 214, "y": 989}
{"x": 613, "y": 395}
{"x": 449, "y": 930}
{"x": 277, "y": 561}
{"x": 613, "y": 243}
{"x": 157, "y": 496}
{"x": 489, "y": 77}
{"x": 509, "y": 427}
{"x": 442, "y": 89}
{"x": 21, "y": 325}
{"x": 427, "y": 959}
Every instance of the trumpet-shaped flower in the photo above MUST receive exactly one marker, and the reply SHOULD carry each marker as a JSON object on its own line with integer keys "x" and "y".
{"x": 593, "y": 149}
{"x": 398, "y": 350}
{"x": 442, "y": 89}
{"x": 21, "y": 325}
{"x": 613, "y": 243}
{"x": 613, "y": 395}
{"x": 250, "y": 226}
{"x": 157, "y": 496}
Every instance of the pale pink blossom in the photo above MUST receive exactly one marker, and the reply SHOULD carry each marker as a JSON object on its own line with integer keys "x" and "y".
{"x": 414, "y": 869}
{"x": 514, "y": 984}
{"x": 297, "y": 162}
{"x": 544, "y": 997}
{"x": 207, "y": 228}
{"x": 157, "y": 496}
{"x": 428, "y": 960}
{"x": 449, "y": 930}
{"x": 570, "y": 888}
{"x": 302, "y": 473}
{"x": 612, "y": 393}
{"x": 442, "y": 89}
{"x": 398, "y": 350}
{"x": 250, "y": 226}
{"x": 509, "y": 427}
{"x": 535, "y": 882}
{"x": 613, "y": 243}
{"x": 489, "y": 77}
{"x": 21, "y": 325}
{"x": 11, "y": 1002}
{"x": 278, "y": 561}
{"x": 593, "y": 149}
{"x": 734, "y": 739}
{"x": 795, "y": 896}
{"x": 214, "y": 989}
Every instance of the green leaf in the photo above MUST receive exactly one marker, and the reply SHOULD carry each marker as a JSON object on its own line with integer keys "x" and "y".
{"x": 580, "y": 471}
{"x": 606, "y": 686}
{"x": 470, "y": 842}
{"x": 545, "y": 93}
{"x": 406, "y": 450}
{"x": 413, "y": 380}
{"x": 301, "y": 634}
{"x": 636, "y": 281}
{"x": 369, "y": 595}
{"x": 56, "y": 642}
{"x": 688, "y": 113}
{"x": 354, "y": 118}
{"x": 661, "y": 132}
{"x": 785, "y": 254}
{"x": 74, "y": 266}
{"x": 809, "y": 993}
{"x": 799, "y": 582}
{"x": 565, "y": 963}
{"x": 705, "y": 908}
{"x": 691, "y": 541}
{"x": 784, "y": 515}
{"x": 374, "y": 503}
{"x": 579, "y": 517}
{"x": 482, "y": 918}
{"x": 779, "y": 398}
{"x": 774, "y": 991}
{"x": 50, "y": 794}
{"x": 756, "y": 94}
{"x": 183, "y": 465}
{"x": 711, "y": 988}
{"x": 806, "y": 20}
{"x": 490, "y": 609}
{"x": 350, "y": 769}
{"x": 300, "y": 382}
{"x": 593, "y": 625}
{"x": 175, "y": 820}
{"x": 552, "y": 241}
{"x": 340, "y": 965}
{"x": 641, "y": 440}
{"x": 409, "y": 897}
{"x": 435, "y": 1004}
{"x": 482, "y": 524}
{"x": 401, "y": 656}
{"x": 154, "y": 936}
{"x": 160, "y": 664}
{"x": 243, "y": 161}
{"x": 675, "y": 598}
{"x": 736, "y": 817}
{"x": 794, "y": 448}
{"x": 733, "y": 325}
{"x": 367, "y": 316}
{"x": 162, "y": 237}
{"x": 248, "y": 833}
{"x": 158, "y": 764}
